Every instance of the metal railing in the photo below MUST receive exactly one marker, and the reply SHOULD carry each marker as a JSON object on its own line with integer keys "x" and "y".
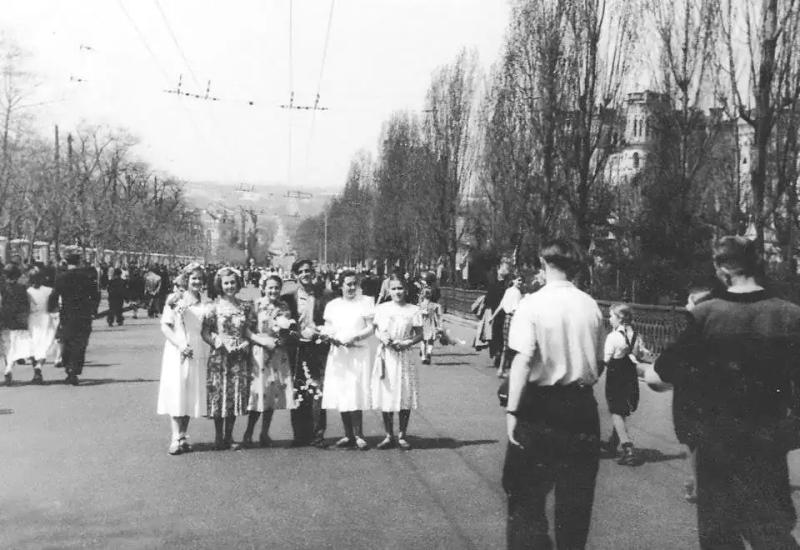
{"x": 658, "y": 326}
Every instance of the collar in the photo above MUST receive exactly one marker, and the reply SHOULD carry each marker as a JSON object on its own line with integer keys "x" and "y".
{"x": 745, "y": 297}
{"x": 559, "y": 284}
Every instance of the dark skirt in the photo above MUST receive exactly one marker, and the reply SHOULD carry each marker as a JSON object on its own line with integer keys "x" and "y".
{"x": 622, "y": 386}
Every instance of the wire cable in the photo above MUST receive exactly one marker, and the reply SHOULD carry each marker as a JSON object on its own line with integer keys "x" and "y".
{"x": 310, "y": 142}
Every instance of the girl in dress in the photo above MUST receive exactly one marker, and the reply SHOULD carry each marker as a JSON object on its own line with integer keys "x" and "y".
{"x": 399, "y": 326}
{"x": 431, "y": 323}
{"x": 182, "y": 390}
{"x": 272, "y": 386}
{"x": 348, "y": 322}
{"x": 227, "y": 328}
{"x": 41, "y": 323}
{"x": 622, "y": 382}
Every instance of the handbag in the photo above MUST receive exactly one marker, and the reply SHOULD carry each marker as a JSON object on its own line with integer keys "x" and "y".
{"x": 502, "y": 393}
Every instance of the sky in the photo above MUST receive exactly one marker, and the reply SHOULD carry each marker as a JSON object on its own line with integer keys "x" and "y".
{"x": 110, "y": 62}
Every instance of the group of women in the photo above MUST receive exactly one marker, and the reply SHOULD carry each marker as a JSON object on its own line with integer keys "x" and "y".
{"x": 228, "y": 358}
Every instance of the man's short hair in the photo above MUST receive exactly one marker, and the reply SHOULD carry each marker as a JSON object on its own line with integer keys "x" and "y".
{"x": 563, "y": 255}
{"x": 737, "y": 255}
{"x": 300, "y": 263}
{"x": 73, "y": 259}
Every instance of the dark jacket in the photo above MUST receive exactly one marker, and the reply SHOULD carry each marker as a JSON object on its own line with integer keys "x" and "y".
{"x": 78, "y": 293}
{"x": 15, "y": 307}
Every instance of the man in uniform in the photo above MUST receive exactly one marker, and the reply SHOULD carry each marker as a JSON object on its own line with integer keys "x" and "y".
{"x": 552, "y": 420}
{"x": 308, "y": 306}
{"x": 77, "y": 293}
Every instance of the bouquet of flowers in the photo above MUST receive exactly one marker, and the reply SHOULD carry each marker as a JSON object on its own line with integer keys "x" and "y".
{"x": 285, "y": 328}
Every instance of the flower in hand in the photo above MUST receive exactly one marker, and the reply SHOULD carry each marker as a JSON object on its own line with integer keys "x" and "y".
{"x": 187, "y": 353}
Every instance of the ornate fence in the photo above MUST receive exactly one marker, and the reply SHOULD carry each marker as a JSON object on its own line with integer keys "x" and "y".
{"x": 657, "y": 325}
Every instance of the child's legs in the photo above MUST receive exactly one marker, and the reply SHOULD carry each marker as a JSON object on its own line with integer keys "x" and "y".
{"x": 620, "y": 428}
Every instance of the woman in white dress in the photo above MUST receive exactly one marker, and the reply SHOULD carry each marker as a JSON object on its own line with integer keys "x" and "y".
{"x": 272, "y": 386}
{"x": 348, "y": 322}
{"x": 182, "y": 391}
{"x": 42, "y": 323}
{"x": 398, "y": 326}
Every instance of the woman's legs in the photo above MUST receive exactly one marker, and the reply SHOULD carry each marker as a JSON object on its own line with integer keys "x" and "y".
{"x": 620, "y": 428}
{"x": 175, "y": 446}
{"x": 252, "y": 418}
{"x": 405, "y": 417}
{"x": 388, "y": 423}
{"x": 218, "y": 426}
{"x": 229, "y": 422}
{"x": 266, "y": 421}
{"x": 347, "y": 422}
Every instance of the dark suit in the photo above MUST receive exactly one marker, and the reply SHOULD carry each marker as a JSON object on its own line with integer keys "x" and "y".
{"x": 78, "y": 293}
{"x": 309, "y": 418}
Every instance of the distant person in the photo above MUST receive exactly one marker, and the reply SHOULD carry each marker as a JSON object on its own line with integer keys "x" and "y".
{"x": 42, "y": 323}
{"x": 76, "y": 291}
{"x": 116, "y": 297}
{"x": 152, "y": 291}
{"x": 14, "y": 309}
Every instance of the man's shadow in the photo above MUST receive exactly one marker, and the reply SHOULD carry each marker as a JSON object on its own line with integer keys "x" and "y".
{"x": 645, "y": 456}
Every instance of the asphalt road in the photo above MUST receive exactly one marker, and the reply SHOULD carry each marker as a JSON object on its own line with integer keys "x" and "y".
{"x": 87, "y": 467}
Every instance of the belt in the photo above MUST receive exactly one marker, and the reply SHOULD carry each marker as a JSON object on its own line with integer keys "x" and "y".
{"x": 573, "y": 386}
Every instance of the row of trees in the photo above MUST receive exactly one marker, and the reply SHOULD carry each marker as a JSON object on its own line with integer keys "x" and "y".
{"x": 85, "y": 188}
{"x": 494, "y": 164}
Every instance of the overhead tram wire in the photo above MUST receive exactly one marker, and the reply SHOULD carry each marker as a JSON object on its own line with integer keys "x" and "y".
{"x": 291, "y": 93}
{"x": 164, "y": 73}
{"x": 319, "y": 87}
{"x": 210, "y": 113}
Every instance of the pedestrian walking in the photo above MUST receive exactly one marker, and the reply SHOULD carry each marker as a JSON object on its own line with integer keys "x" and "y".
{"x": 42, "y": 323}
{"x": 508, "y": 305}
{"x": 431, "y": 314}
{"x": 116, "y": 297}
{"x": 395, "y": 382}
{"x": 15, "y": 310}
{"x": 273, "y": 386}
{"x": 737, "y": 366}
{"x": 76, "y": 291}
{"x": 182, "y": 386}
{"x": 152, "y": 291}
{"x": 228, "y": 329}
{"x": 552, "y": 420}
{"x": 494, "y": 295}
{"x": 622, "y": 352}
{"x": 348, "y": 323}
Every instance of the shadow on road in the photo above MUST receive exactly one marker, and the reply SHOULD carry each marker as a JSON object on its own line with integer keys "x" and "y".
{"x": 102, "y": 381}
{"x": 89, "y": 365}
{"x": 643, "y": 456}
{"x": 446, "y": 442}
{"x": 441, "y": 354}
{"x": 448, "y": 363}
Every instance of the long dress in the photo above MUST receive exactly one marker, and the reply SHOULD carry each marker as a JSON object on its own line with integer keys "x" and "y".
{"x": 182, "y": 390}
{"x": 272, "y": 386}
{"x": 394, "y": 378}
{"x": 41, "y": 324}
{"x": 348, "y": 370}
{"x": 228, "y": 374}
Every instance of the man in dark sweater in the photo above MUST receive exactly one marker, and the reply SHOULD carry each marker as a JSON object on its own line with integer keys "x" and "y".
{"x": 735, "y": 368}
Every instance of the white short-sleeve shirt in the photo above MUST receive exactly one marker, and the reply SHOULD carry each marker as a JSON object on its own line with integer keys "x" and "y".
{"x": 561, "y": 329}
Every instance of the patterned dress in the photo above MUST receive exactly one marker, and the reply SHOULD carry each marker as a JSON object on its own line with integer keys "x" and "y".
{"x": 394, "y": 377}
{"x": 272, "y": 386}
{"x": 431, "y": 313}
{"x": 228, "y": 374}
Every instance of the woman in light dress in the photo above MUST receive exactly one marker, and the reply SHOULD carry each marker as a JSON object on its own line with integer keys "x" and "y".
{"x": 182, "y": 391}
{"x": 398, "y": 326}
{"x": 42, "y": 323}
{"x": 272, "y": 386}
{"x": 348, "y": 323}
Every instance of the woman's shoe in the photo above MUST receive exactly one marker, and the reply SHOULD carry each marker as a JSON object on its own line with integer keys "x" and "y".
{"x": 403, "y": 445}
{"x": 265, "y": 441}
{"x": 387, "y": 443}
{"x": 186, "y": 447}
{"x": 361, "y": 444}
{"x": 628, "y": 457}
{"x": 174, "y": 448}
{"x": 345, "y": 443}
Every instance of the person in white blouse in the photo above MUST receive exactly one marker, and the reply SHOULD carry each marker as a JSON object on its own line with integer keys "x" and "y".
{"x": 508, "y": 305}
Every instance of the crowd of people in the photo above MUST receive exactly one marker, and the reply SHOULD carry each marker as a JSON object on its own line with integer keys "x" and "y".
{"x": 348, "y": 346}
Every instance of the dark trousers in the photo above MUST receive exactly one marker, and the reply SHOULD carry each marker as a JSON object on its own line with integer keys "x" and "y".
{"x": 559, "y": 429}
{"x": 309, "y": 419}
{"x": 75, "y": 338}
{"x": 743, "y": 492}
{"x": 115, "y": 307}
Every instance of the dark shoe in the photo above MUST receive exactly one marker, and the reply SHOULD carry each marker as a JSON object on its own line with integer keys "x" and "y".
{"x": 346, "y": 443}
{"x": 403, "y": 444}
{"x": 387, "y": 443}
{"x": 20, "y": 361}
{"x": 299, "y": 443}
{"x": 609, "y": 449}
{"x": 319, "y": 443}
{"x": 265, "y": 441}
{"x": 8, "y": 379}
{"x": 37, "y": 377}
{"x": 186, "y": 447}
{"x": 426, "y": 361}
{"x": 628, "y": 456}
{"x": 72, "y": 379}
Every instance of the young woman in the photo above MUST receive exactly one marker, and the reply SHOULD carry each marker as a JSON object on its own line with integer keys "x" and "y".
{"x": 227, "y": 329}
{"x": 508, "y": 305}
{"x": 398, "y": 326}
{"x": 348, "y": 322}
{"x": 272, "y": 386}
{"x": 41, "y": 323}
{"x": 182, "y": 390}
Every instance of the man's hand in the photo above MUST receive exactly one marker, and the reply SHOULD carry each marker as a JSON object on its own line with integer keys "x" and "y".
{"x": 511, "y": 424}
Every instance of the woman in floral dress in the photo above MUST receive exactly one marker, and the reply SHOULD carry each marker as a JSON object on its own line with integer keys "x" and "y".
{"x": 398, "y": 326}
{"x": 182, "y": 390}
{"x": 272, "y": 386}
{"x": 227, "y": 329}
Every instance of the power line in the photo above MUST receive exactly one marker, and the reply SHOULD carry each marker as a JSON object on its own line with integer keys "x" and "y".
{"x": 175, "y": 41}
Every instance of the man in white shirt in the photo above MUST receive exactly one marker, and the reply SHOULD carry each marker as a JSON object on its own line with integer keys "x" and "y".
{"x": 552, "y": 419}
